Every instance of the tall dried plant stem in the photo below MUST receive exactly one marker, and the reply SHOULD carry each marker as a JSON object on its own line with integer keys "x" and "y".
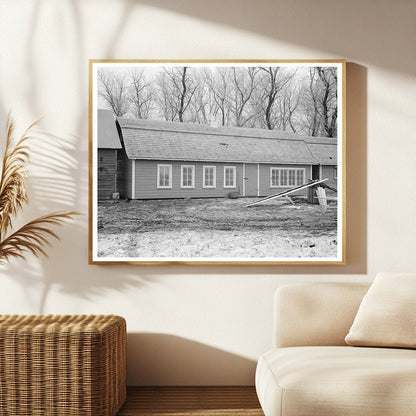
{"x": 35, "y": 235}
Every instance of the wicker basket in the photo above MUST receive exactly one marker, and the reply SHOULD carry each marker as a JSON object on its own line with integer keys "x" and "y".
{"x": 72, "y": 365}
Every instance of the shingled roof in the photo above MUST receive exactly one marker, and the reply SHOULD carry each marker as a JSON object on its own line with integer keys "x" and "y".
{"x": 107, "y": 135}
{"x": 164, "y": 140}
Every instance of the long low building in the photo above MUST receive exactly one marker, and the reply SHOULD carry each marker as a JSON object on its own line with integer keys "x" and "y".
{"x": 161, "y": 159}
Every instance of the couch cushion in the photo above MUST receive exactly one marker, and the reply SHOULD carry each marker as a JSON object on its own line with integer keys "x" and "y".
{"x": 387, "y": 314}
{"x": 315, "y": 314}
{"x": 341, "y": 381}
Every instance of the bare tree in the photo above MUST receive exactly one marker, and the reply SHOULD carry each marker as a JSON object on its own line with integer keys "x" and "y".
{"x": 314, "y": 128}
{"x": 328, "y": 100}
{"x": 288, "y": 105}
{"x": 140, "y": 95}
{"x": 163, "y": 99}
{"x": 202, "y": 103}
{"x": 113, "y": 88}
{"x": 272, "y": 102}
{"x": 303, "y": 101}
{"x": 219, "y": 84}
{"x": 176, "y": 89}
{"x": 243, "y": 85}
{"x": 319, "y": 103}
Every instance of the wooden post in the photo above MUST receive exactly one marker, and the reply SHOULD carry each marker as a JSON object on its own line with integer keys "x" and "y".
{"x": 311, "y": 195}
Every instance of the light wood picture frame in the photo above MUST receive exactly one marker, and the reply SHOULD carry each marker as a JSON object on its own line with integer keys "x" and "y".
{"x": 217, "y": 162}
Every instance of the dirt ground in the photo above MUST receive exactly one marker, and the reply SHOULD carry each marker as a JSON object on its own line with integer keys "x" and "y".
{"x": 215, "y": 228}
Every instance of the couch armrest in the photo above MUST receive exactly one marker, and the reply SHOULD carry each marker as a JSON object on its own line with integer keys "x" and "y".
{"x": 315, "y": 313}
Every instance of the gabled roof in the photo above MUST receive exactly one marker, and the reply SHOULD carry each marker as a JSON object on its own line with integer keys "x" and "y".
{"x": 164, "y": 140}
{"x": 107, "y": 134}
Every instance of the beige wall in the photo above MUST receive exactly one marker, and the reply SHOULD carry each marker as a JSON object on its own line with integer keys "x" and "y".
{"x": 204, "y": 325}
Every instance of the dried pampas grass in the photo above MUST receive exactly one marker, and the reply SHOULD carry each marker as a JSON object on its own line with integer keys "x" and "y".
{"x": 34, "y": 236}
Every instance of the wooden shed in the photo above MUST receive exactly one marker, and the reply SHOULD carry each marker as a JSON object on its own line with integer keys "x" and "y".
{"x": 108, "y": 142}
{"x": 163, "y": 159}
{"x": 324, "y": 153}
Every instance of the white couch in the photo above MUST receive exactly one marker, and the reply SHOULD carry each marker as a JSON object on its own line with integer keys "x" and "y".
{"x": 311, "y": 371}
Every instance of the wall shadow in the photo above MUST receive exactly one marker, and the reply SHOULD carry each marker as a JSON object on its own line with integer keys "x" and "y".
{"x": 58, "y": 180}
{"x": 337, "y": 28}
{"x": 52, "y": 186}
{"x": 169, "y": 360}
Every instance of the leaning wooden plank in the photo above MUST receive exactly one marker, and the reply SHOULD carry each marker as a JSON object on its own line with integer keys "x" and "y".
{"x": 292, "y": 202}
{"x": 321, "y": 194}
{"x": 289, "y": 199}
{"x": 330, "y": 187}
{"x": 288, "y": 192}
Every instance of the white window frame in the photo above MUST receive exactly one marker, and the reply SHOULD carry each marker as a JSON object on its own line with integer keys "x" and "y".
{"x": 279, "y": 185}
{"x": 234, "y": 169}
{"x": 193, "y": 177}
{"x": 159, "y": 186}
{"x": 214, "y": 176}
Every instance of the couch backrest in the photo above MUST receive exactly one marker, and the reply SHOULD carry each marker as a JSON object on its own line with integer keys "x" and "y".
{"x": 315, "y": 313}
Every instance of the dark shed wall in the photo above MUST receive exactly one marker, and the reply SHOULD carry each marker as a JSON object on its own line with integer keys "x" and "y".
{"x": 106, "y": 173}
{"x": 329, "y": 172}
{"x": 124, "y": 175}
{"x": 146, "y": 180}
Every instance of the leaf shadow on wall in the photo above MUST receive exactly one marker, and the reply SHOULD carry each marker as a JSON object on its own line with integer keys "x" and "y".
{"x": 53, "y": 187}
{"x": 164, "y": 359}
{"x": 58, "y": 180}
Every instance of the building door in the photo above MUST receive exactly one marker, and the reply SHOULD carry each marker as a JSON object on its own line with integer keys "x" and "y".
{"x": 316, "y": 172}
{"x": 250, "y": 179}
{"x": 316, "y": 175}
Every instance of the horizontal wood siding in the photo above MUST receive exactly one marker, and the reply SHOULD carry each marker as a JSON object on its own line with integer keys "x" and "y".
{"x": 106, "y": 173}
{"x": 124, "y": 175}
{"x": 329, "y": 172}
{"x": 146, "y": 180}
{"x": 266, "y": 189}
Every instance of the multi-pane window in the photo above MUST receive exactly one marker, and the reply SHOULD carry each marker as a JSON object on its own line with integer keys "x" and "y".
{"x": 164, "y": 176}
{"x": 286, "y": 177}
{"x": 229, "y": 176}
{"x": 209, "y": 177}
{"x": 188, "y": 176}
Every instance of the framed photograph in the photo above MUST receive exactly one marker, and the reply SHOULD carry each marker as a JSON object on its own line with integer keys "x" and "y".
{"x": 217, "y": 162}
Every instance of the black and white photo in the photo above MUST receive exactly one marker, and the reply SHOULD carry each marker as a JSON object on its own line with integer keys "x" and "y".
{"x": 217, "y": 162}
